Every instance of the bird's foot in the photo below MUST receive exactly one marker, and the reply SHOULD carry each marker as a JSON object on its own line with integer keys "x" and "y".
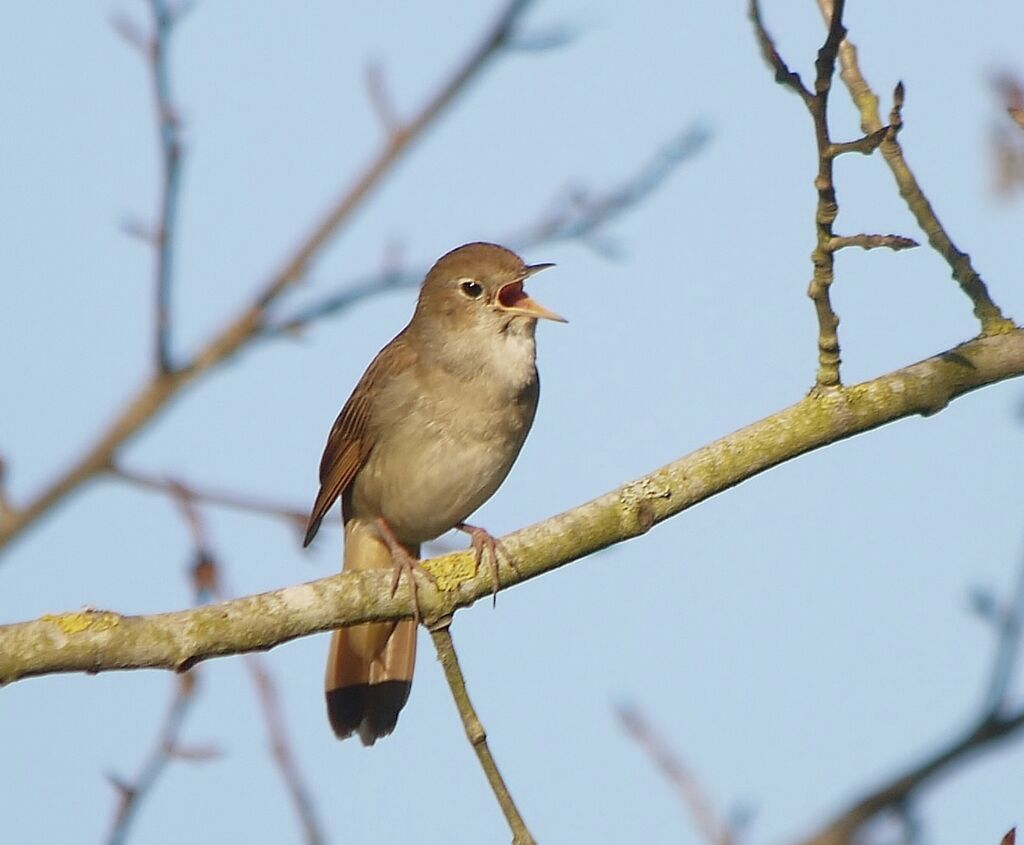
{"x": 404, "y": 561}
{"x": 485, "y": 543}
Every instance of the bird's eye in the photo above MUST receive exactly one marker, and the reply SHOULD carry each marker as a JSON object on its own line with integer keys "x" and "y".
{"x": 471, "y": 289}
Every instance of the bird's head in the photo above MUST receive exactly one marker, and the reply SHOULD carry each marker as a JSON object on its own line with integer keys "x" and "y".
{"x": 479, "y": 288}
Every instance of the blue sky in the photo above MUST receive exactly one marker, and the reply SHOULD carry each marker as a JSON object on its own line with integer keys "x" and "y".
{"x": 795, "y": 639}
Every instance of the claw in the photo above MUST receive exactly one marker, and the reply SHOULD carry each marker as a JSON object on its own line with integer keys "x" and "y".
{"x": 404, "y": 562}
{"x": 483, "y": 542}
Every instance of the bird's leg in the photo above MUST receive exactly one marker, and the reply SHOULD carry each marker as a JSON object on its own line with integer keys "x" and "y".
{"x": 404, "y": 561}
{"x": 484, "y": 542}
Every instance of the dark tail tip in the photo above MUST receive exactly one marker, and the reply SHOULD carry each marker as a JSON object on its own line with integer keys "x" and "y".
{"x": 369, "y": 709}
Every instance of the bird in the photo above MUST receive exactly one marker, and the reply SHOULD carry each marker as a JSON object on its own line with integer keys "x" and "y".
{"x": 428, "y": 435}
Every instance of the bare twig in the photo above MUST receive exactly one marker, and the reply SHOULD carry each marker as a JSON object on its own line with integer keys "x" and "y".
{"x": 5, "y": 504}
{"x": 995, "y": 720}
{"x": 477, "y": 735}
{"x": 893, "y": 242}
{"x": 209, "y": 585}
{"x": 823, "y": 256}
{"x": 988, "y": 313}
{"x": 1007, "y": 620}
{"x": 165, "y": 18}
{"x": 294, "y": 517}
{"x": 280, "y": 748}
{"x": 167, "y": 746}
{"x": 165, "y": 750}
{"x": 240, "y": 330}
{"x": 1008, "y": 143}
{"x": 96, "y": 641}
{"x": 376, "y": 87}
{"x": 577, "y": 218}
{"x": 714, "y": 830}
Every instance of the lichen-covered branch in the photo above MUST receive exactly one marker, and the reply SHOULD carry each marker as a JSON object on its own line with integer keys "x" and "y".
{"x": 96, "y": 641}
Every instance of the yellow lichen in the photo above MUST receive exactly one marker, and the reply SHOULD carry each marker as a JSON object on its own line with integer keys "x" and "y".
{"x": 86, "y": 620}
{"x": 451, "y": 571}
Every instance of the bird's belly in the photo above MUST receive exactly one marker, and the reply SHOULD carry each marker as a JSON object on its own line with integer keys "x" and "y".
{"x": 423, "y": 484}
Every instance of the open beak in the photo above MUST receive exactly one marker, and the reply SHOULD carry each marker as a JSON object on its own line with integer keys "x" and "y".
{"x": 513, "y": 299}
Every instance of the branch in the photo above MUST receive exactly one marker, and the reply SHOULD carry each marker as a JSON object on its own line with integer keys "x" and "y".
{"x": 714, "y": 830}
{"x": 239, "y": 331}
{"x": 163, "y": 752}
{"x": 5, "y": 503}
{"x": 164, "y": 20}
{"x": 823, "y": 255}
{"x": 97, "y": 641}
{"x": 477, "y": 735}
{"x": 579, "y": 217}
{"x": 294, "y": 517}
{"x": 988, "y": 313}
{"x": 893, "y": 242}
{"x": 207, "y": 583}
{"x": 167, "y": 747}
{"x": 995, "y": 720}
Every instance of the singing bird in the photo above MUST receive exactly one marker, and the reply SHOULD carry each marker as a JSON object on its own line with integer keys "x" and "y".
{"x": 427, "y": 436}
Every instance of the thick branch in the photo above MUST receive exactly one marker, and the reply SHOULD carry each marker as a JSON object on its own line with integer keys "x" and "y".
{"x": 95, "y": 641}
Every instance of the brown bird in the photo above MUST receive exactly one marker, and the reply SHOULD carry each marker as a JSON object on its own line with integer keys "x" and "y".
{"x": 427, "y": 436}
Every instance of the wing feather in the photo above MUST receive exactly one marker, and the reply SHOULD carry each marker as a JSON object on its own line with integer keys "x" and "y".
{"x": 350, "y": 442}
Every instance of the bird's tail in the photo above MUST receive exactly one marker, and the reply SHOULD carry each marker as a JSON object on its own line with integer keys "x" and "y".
{"x": 370, "y": 666}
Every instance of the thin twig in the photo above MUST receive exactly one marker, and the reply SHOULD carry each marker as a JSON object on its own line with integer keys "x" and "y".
{"x": 240, "y": 330}
{"x": 783, "y": 75}
{"x": 165, "y": 750}
{"x": 165, "y": 18}
{"x": 1007, "y": 620}
{"x": 209, "y": 585}
{"x": 167, "y": 746}
{"x": 970, "y": 281}
{"x": 715, "y": 830}
{"x": 477, "y": 735}
{"x": 822, "y": 257}
{"x": 995, "y": 720}
{"x": 893, "y": 242}
{"x": 280, "y": 748}
{"x": 294, "y": 517}
{"x": 5, "y": 503}
{"x": 579, "y": 217}
{"x": 376, "y": 87}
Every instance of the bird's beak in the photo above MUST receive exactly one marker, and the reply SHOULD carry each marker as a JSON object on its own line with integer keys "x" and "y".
{"x": 515, "y": 300}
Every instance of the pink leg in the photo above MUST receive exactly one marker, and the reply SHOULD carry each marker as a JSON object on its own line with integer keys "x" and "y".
{"x": 404, "y": 562}
{"x": 484, "y": 542}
